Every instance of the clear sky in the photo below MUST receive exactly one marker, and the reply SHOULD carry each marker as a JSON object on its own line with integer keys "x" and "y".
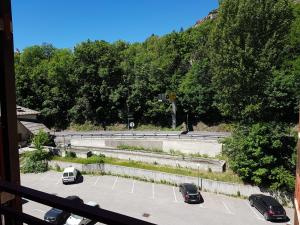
{"x": 65, "y": 23}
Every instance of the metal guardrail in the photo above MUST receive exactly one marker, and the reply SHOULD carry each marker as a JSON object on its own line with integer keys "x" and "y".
{"x": 141, "y": 135}
{"x": 95, "y": 214}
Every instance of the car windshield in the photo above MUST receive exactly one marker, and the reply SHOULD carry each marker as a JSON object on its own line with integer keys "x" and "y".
{"x": 76, "y": 216}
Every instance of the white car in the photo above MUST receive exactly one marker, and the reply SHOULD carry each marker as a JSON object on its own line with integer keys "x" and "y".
{"x": 79, "y": 220}
{"x": 69, "y": 175}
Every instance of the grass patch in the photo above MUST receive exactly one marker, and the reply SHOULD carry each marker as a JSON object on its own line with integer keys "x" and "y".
{"x": 228, "y": 176}
{"x": 139, "y": 148}
{"x": 87, "y": 126}
{"x": 91, "y": 160}
{"x": 171, "y": 152}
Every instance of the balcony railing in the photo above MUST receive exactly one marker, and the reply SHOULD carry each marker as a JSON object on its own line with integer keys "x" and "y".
{"x": 95, "y": 214}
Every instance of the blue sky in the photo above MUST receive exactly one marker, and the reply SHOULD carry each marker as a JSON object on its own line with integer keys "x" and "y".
{"x": 65, "y": 23}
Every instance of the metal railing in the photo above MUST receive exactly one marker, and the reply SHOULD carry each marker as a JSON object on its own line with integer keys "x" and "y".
{"x": 143, "y": 135}
{"x": 95, "y": 214}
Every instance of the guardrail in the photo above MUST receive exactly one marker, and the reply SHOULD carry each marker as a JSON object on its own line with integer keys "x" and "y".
{"x": 95, "y": 214}
{"x": 142, "y": 135}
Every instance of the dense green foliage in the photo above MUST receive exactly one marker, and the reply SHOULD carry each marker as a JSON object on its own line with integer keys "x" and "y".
{"x": 35, "y": 161}
{"x": 263, "y": 154}
{"x": 243, "y": 67}
{"x": 40, "y": 139}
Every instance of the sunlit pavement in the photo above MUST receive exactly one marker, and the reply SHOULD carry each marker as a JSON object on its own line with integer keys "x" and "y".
{"x": 156, "y": 203}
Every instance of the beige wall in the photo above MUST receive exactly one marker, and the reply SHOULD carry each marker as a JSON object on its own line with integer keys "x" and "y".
{"x": 23, "y": 133}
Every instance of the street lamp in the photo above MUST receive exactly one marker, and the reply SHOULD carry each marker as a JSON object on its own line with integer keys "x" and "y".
{"x": 198, "y": 165}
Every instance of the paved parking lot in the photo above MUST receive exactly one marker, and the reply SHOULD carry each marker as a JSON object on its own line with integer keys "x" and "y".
{"x": 164, "y": 204}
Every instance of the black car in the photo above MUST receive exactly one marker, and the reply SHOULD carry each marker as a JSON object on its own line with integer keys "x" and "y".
{"x": 58, "y": 216}
{"x": 75, "y": 198}
{"x": 268, "y": 206}
{"x": 190, "y": 193}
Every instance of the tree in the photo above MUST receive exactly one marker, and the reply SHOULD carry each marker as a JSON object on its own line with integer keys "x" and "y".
{"x": 40, "y": 139}
{"x": 248, "y": 43}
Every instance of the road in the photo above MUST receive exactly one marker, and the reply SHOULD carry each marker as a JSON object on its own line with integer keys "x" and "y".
{"x": 156, "y": 203}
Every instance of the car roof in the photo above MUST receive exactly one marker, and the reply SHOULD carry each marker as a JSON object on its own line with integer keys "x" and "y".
{"x": 268, "y": 199}
{"x": 69, "y": 169}
{"x": 188, "y": 184}
{"x": 91, "y": 203}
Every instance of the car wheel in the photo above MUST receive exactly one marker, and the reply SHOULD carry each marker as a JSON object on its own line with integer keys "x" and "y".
{"x": 266, "y": 216}
{"x": 251, "y": 202}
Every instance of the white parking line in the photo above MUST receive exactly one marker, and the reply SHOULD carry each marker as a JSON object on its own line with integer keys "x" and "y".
{"x": 132, "y": 188}
{"x": 227, "y": 208}
{"x": 153, "y": 190}
{"x": 38, "y": 210}
{"x": 255, "y": 213}
{"x": 59, "y": 180}
{"x": 113, "y": 186}
{"x": 175, "y": 198}
{"x": 96, "y": 181}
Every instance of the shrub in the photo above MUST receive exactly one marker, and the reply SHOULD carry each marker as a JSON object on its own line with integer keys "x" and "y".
{"x": 70, "y": 154}
{"x": 35, "y": 162}
{"x": 40, "y": 139}
{"x": 263, "y": 154}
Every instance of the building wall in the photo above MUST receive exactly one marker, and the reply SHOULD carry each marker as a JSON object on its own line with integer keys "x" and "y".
{"x": 23, "y": 134}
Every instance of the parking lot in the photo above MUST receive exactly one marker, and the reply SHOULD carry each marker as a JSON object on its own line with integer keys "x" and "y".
{"x": 156, "y": 203}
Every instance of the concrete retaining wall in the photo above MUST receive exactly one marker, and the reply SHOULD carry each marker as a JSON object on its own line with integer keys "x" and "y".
{"x": 209, "y": 147}
{"x": 208, "y": 185}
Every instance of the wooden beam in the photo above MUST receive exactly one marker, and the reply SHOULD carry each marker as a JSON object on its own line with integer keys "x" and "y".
{"x": 9, "y": 161}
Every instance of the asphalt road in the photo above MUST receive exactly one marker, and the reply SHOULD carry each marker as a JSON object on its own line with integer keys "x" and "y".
{"x": 164, "y": 204}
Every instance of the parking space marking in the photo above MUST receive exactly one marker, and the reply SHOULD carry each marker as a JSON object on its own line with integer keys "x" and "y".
{"x": 57, "y": 183}
{"x": 201, "y": 206}
{"x": 255, "y": 213}
{"x": 153, "y": 190}
{"x": 38, "y": 210}
{"x": 227, "y": 208}
{"x": 132, "y": 188}
{"x": 114, "y": 184}
{"x": 175, "y": 198}
{"x": 96, "y": 181}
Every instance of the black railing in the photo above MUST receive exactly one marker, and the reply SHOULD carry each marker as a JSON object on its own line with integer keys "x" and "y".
{"x": 95, "y": 214}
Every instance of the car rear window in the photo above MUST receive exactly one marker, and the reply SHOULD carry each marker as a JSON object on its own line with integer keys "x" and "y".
{"x": 277, "y": 208}
{"x": 191, "y": 188}
{"x": 71, "y": 174}
{"x": 65, "y": 174}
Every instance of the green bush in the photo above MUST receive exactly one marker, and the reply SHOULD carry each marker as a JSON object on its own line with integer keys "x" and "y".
{"x": 40, "y": 139}
{"x": 263, "y": 154}
{"x": 35, "y": 161}
{"x": 70, "y": 154}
